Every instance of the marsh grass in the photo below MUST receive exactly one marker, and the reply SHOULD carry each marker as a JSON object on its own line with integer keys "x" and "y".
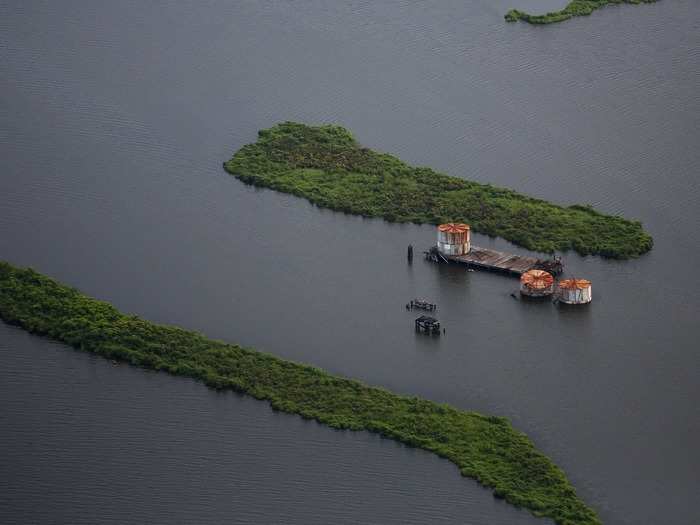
{"x": 485, "y": 448}
{"x": 574, "y": 8}
{"x": 325, "y": 165}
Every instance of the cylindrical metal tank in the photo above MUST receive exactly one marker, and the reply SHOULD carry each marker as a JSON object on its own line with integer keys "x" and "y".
{"x": 536, "y": 283}
{"x": 454, "y": 238}
{"x": 575, "y": 291}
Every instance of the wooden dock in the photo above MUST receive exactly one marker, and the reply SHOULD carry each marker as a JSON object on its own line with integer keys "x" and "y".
{"x": 486, "y": 259}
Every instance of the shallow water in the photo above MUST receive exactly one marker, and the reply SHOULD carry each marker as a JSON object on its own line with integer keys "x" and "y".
{"x": 115, "y": 121}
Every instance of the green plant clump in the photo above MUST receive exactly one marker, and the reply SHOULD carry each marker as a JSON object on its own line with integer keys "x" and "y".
{"x": 325, "y": 165}
{"x": 487, "y": 449}
{"x": 574, "y": 8}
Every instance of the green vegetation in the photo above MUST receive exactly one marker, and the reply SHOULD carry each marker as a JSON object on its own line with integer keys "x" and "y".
{"x": 487, "y": 449}
{"x": 574, "y": 8}
{"x": 325, "y": 165}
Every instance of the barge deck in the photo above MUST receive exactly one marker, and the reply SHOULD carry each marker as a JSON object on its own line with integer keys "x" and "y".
{"x": 486, "y": 259}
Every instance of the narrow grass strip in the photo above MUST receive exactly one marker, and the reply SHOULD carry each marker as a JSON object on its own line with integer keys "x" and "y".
{"x": 485, "y": 448}
{"x": 574, "y": 8}
{"x": 327, "y": 166}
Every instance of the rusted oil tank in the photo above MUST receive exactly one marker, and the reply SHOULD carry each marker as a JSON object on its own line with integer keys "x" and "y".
{"x": 536, "y": 283}
{"x": 575, "y": 291}
{"x": 454, "y": 238}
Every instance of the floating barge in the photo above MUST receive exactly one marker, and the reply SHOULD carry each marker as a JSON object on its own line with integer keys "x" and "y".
{"x": 454, "y": 245}
{"x": 493, "y": 260}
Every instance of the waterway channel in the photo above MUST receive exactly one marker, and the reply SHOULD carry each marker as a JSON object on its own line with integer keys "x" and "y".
{"x": 115, "y": 118}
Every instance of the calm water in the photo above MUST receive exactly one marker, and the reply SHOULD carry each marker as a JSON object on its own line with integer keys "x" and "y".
{"x": 115, "y": 118}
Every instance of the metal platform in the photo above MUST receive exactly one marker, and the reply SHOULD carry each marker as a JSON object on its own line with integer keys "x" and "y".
{"x": 486, "y": 259}
{"x": 493, "y": 260}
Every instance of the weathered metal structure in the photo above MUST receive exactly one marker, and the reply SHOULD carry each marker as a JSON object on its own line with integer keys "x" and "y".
{"x": 422, "y": 304}
{"x": 575, "y": 291}
{"x": 492, "y": 260}
{"x": 536, "y": 283}
{"x": 454, "y": 245}
{"x": 454, "y": 239}
{"x": 426, "y": 324}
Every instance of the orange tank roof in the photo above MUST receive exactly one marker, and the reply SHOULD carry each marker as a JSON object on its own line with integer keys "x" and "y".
{"x": 538, "y": 279}
{"x": 454, "y": 227}
{"x": 573, "y": 284}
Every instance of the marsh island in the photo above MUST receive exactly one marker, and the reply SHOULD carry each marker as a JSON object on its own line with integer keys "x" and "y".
{"x": 327, "y": 166}
{"x": 573, "y": 8}
{"x": 485, "y": 448}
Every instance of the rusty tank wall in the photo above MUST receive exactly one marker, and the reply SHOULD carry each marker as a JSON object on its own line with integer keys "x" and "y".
{"x": 578, "y": 293}
{"x": 536, "y": 283}
{"x": 453, "y": 239}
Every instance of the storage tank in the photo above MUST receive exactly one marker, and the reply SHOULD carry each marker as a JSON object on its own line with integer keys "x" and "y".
{"x": 453, "y": 238}
{"x": 575, "y": 291}
{"x": 536, "y": 283}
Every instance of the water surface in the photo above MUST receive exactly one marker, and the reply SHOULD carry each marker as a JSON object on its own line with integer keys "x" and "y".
{"x": 115, "y": 121}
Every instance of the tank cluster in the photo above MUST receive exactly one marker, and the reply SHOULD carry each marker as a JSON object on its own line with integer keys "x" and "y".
{"x": 539, "y": 283}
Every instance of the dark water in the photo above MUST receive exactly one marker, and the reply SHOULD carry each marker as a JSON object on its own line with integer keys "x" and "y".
{"x": 115, "y": 118}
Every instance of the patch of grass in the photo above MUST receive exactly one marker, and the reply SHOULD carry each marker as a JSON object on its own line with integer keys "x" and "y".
{"x": 485, "y": 448}
{"x": 574, "y": 8}
{"x": 325, "y": 165}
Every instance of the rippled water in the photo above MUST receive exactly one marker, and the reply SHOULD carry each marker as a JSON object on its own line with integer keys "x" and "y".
{"x": 115, "y": 120}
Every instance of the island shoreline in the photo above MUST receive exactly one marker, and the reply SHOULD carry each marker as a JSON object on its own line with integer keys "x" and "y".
{"x": 572, "y": 9}
{"x": 485, "y": 448}
{"x": 328, "y": 167}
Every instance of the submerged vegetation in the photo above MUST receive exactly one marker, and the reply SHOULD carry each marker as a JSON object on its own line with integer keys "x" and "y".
{"x": 573, "y": 8}
{"x": 325, "y": 165}
{"x": 487, "y": 449}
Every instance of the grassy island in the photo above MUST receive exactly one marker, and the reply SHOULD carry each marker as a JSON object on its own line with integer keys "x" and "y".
{"x": 574, "y": 8}
{"x": 325, "y": 165}
{"x": 487, "y": 449}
